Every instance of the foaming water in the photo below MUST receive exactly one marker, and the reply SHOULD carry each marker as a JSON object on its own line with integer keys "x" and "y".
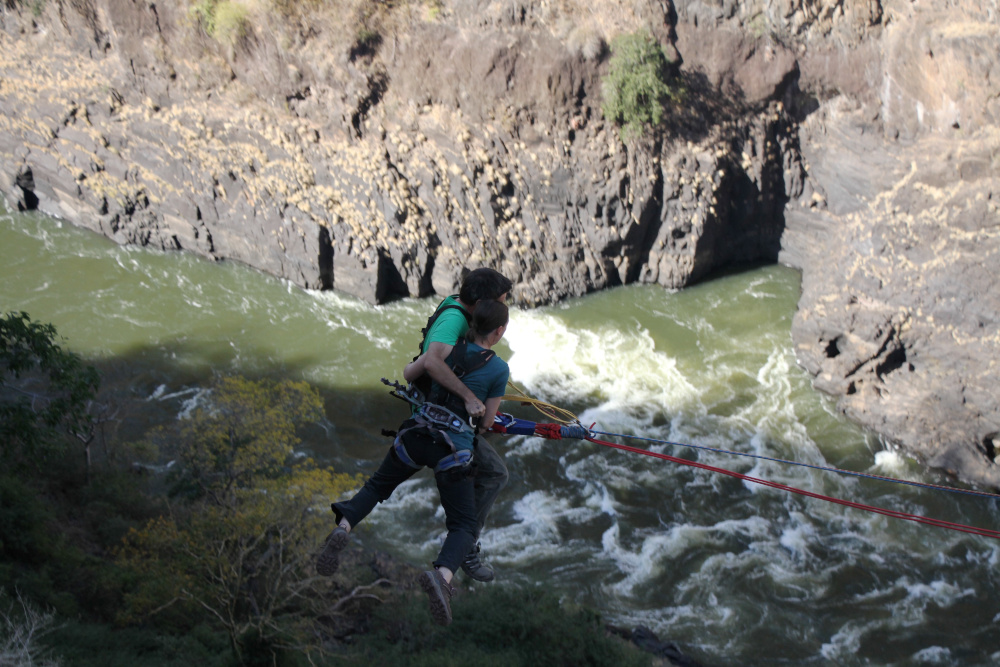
{"x": 734, "y": 572}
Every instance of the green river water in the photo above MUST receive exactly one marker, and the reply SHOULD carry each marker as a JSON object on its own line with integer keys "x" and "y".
{"x": 734, "y": 572}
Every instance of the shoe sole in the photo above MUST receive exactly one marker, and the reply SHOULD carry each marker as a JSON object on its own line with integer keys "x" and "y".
{"x": 472, "y": 574}
{"x": 440, "y": 609}
{"x": 329, "y": 560}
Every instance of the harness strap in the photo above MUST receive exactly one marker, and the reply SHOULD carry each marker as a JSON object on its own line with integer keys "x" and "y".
{"x": 436, "y": 421}
{"x": 440, "y": 310}
{"x": 456, "y": 459}
{"x": 403, "y": 455}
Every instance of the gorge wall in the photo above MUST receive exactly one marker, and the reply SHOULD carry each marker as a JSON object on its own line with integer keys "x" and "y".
{"x": 381, "y": 148}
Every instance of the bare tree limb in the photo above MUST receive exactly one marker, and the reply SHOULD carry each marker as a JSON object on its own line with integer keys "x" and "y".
{"x": 358, "y": 594}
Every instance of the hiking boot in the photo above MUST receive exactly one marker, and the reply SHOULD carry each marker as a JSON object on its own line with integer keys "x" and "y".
{"x": 439, "y": 594}
{"x": 475, "y": 568}
{"x": 329, "y": 559}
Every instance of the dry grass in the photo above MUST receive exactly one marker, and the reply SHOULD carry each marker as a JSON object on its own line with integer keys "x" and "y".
{"x": 579, "y": 22}
{"x": 586, "y": 27}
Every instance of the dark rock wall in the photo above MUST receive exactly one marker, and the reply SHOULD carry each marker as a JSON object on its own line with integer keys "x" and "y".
{"x": 383, "y": 148}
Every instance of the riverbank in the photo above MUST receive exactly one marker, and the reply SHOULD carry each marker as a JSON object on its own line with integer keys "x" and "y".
{"x": 380, "y": 150}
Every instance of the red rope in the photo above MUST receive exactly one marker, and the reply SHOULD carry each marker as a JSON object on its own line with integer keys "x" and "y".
{"x": 984, "y": 532}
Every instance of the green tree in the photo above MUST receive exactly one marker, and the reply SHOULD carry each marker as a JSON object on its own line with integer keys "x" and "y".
{"x": 243, "y": 548}
{"x": 45, "y": 391}
{"x": 638, "y": 84}
{"x": 243, "y": 434}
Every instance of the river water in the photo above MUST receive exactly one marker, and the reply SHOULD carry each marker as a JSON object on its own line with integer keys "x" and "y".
{"x": 735, "y": 573}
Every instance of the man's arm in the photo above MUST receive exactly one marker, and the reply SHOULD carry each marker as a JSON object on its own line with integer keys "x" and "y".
{"x": 440, "y": 372}
{"x": 415, "y": 368}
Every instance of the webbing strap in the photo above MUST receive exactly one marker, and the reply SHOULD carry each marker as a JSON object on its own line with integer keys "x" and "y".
{"x": 458, "y": 457}
{"x": 401, "y": 452}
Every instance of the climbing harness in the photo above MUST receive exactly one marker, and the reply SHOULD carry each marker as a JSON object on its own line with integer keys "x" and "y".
{"x": 457, "y": 458}
{"x": 462, "y": 362}
{"x": 439, "y": 412}
{"x": 436, "y": 420}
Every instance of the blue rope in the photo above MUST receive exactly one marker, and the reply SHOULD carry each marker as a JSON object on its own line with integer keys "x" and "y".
{"x": 970, "y": 492}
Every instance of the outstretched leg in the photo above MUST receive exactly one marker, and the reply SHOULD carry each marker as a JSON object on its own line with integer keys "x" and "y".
{"x": 391, "y": 473}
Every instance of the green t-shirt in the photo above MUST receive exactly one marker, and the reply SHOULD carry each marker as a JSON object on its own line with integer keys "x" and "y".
{"x": 449, "y": 326}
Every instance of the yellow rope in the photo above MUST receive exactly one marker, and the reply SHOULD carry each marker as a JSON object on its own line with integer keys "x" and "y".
{"x": 553, "y": 412}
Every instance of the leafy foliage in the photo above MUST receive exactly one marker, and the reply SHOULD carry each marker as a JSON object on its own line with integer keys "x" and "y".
{"x": 638, "y": 84}
{"x": 243, "y": 549}
{"x": 226, "y": 21}
{"x": 37, "y": 7}
{"x": 45, "y": 391}
{"x": 244, "y": 434}
{"x": 23, "y": 533}
{"x": 232, "y": 22}
{"x": 83, "y": 644}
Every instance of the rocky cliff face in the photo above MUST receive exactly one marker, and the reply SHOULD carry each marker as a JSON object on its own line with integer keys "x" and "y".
{"x": 384, "y": 148}
{"x": 899, "y": 306}
{"x": 384, "y": 152}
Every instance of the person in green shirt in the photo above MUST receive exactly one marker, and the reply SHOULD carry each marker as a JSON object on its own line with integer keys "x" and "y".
{"x": 440, "y": 436}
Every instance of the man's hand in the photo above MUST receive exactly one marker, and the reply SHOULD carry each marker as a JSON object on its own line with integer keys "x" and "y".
{"x": 475, "y": 407}
{"x": 440, "y": 372}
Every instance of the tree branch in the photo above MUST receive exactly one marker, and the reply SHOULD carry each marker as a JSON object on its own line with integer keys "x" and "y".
{"x": 357, "y": 594}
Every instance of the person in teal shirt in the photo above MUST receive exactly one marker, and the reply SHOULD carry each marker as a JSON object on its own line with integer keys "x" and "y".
{"x": 447, "y": 446}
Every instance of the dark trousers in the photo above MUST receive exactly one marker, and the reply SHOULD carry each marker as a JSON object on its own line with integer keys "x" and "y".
{"x": 491, "y": 477}
{"x": 456, "y": 488}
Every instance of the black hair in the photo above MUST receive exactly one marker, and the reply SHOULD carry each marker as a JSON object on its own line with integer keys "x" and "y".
{"x": 487, "y": 316}
{"x": 482, "y": 284}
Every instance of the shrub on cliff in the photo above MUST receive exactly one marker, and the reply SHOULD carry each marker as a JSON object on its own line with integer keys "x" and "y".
{"x": 228, "y": 22}
{"x": 492, "y": 628}
{"x": 638, "y": 84}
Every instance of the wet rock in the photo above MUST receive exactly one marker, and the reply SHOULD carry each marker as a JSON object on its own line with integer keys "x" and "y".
{"x": 646, "y": 639}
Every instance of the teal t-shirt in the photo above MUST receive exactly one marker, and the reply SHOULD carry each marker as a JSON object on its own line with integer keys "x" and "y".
{"x": 449, "y": 326}
{"x": 488, "y": 381}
